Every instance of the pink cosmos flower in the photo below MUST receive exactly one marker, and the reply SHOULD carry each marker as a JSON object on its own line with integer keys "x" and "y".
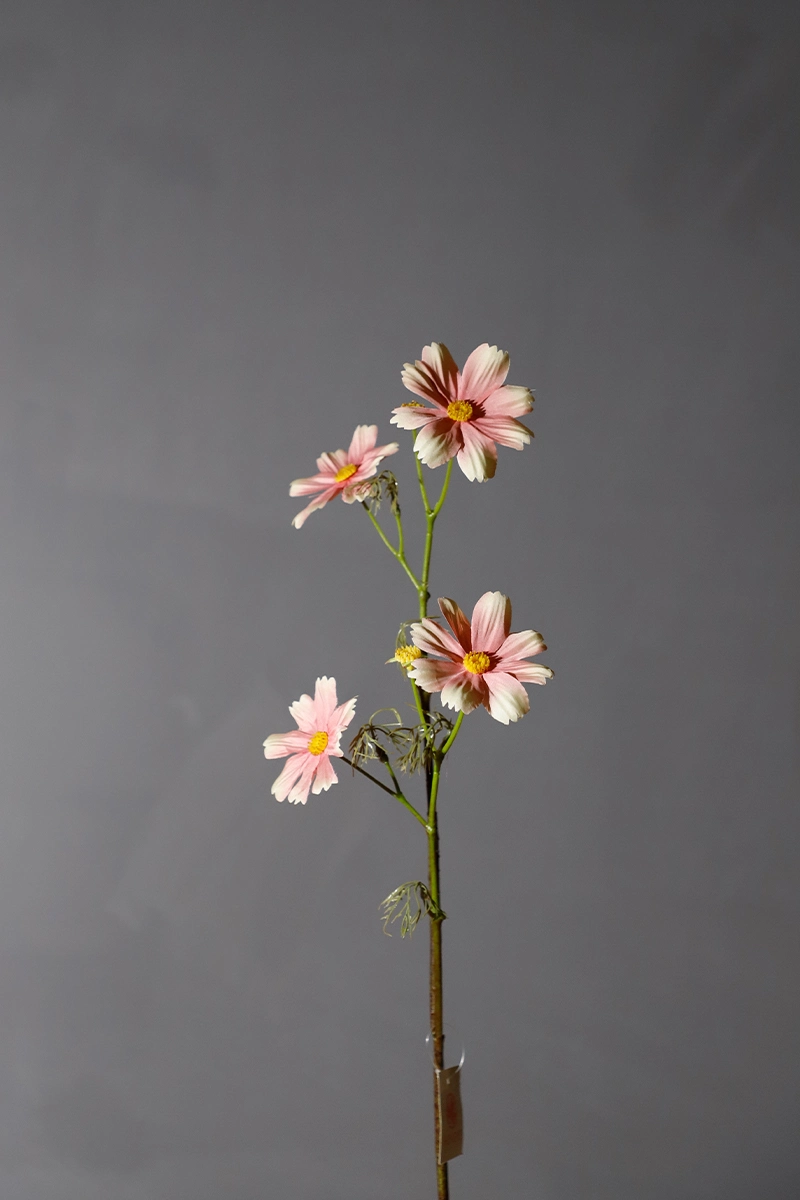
{"x": 480, "y": 662}
{"x": 310, "y": 746}
{"x": 341, "y": 472}
{"x": 472, "y": 409}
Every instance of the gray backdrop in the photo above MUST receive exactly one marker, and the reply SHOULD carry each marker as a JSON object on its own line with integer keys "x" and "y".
{"x": 224, "y": 227}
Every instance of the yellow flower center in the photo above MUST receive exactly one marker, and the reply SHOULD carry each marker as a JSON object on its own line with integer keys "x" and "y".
{"x": 476, "y": 662}
{"x": 407, "y": 654}
{"x": 459, "y": 410}
{"x": 411, "y": 404}
{"x": 345, "y": 472}
{"x": 318, "y": 742}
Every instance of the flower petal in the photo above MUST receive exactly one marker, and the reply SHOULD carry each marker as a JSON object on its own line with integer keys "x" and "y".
{"x": 478, "y": 458}
{"x": 278, "y": 745}
{"x": 431, "y": 638}
{"x": 331, "y": 461}
{"x": 422, "y": 381}
{"x": 305, "y": 713}
{"x": 300, "y": 790}
{"x": 324, "y": 701}
{"x": 408, "y": 416}
{"x": 521, "y": 645}
{"x": 464, "y": 692}
{"x": 457, "y": 620}
{"x": 340, "y": 719}
{"x": 325, "y": 776}
{"x": 503, "y": 430}
{"x": 299, "y": 520}
{"x": 508, "y": 700}
{"x": 307, "y": 487}
{"x": 491, "y": 621}
{"x": 440, "y": 363}
{"x": 293, "y": 769}
{"x": 363, "y": 440}
{"x": 484, "y": 372}
{"x": 437, "y": 442}
{"x": 432, "y": 674}
{"x": 528, "y": 672}
{"x": 508, "y": 401}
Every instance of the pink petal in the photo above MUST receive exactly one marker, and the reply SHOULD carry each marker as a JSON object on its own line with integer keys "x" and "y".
{"x": 464, "y": 692}
{"x": 330, "y": 463}
{"x": 528, "y": 672}
{"x": 370, "y": 461}
{"x": 363, "y": 441}
{"x": 325, "y": 775}
{"x": 484, "y": 372}
{"x": 508, "y": 700}
{"x": 305, "y": 713}
{"x": 324, "y": 701}
{"x": 340, "y": 719}
{"x": 478, "y": 458}
{"x": 437, "y": 442}
{"x": 508, "y": 401}
{"x": 434, "y": 640}
{"x": 408, "y": 417}
{"x": 457, "y": 620}
{"x": 306, "y": 487}
{"x": 440, "y": 362}
{"x": 300, "y": 790}
{"x": 292, "y": 771}
{"x": 521, "y": 645}
{"x": 356, "y": 491}
{"x": 504, "y": 430}
{"x": 491, "y": 621}
{"x": 420, "y": 380}
{"x": 431, "y": 674}
{"x": 320, "y": 502}
{"x": 278, "y": 745}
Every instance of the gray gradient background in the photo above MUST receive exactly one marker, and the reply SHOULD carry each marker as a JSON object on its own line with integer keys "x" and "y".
{"x": 223, "y": 228}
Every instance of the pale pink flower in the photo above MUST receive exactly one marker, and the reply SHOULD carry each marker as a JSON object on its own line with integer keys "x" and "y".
{"x": 480, "y": 662}
{"x": 472, "y": 409}
{"x": 343, "y": 473}
{"x": 310, "y": 746}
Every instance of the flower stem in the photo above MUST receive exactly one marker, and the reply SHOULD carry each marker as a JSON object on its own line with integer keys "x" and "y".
{"x": 436, "y": 1005}
{"x": 430, "y": 520}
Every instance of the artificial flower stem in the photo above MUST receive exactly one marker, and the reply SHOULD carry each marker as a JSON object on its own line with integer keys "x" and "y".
{"x": 453, "y": 735}
{"x": 422, "y": 710}
{"x": 398, "y": 795}
{"x": 422, "y": 487}
{"x": 436, "y": 997}
{"x": 431, "y": 515}
{"x": 443, "y": 493}
{"x": 397, "y": 553}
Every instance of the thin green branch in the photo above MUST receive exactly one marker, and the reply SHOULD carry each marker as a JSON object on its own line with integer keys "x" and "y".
{"x": 453, "y": 735}
{"x": 396, "y": 553}
{"x": 398, "y": 795}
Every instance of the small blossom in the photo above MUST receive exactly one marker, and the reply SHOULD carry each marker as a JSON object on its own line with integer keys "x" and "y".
{"x": 343, "y": 472}
{"x": 310, "y": 746}
{"x": 405, "y": 656}
{"x": 479, "y": 662}
{"x": 473, "y": 411}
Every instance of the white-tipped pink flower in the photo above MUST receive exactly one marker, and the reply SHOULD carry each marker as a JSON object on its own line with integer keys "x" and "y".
{"x": 343, "y": 473}
{"x": 310, "y": 746}
{"x": 473, "y": 410}
{"x": 480, "y": 662}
